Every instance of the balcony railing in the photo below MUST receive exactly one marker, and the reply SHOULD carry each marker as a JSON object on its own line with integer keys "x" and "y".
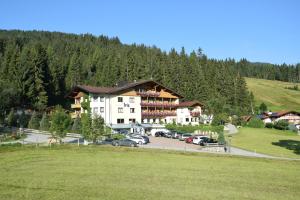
{"x": 148, "y": 94}
{"x": 159, "y": 114}
{"x": 77, "y": 105}
{"x": 195, "y": 114}
{"x": 159, "y": 104}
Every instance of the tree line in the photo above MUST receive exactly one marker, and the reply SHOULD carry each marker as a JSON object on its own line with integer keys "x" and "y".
{"x": 38, "y": 68}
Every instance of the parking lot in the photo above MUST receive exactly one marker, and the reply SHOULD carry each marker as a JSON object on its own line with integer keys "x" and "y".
{"x": 169, "y": 143}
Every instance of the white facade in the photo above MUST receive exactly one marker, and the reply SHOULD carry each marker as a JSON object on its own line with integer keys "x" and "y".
{"x": 187, "y": 116}
{"x": 116, "y": 109}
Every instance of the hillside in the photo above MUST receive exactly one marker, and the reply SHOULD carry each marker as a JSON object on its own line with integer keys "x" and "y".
{"x": 274, "y": 94}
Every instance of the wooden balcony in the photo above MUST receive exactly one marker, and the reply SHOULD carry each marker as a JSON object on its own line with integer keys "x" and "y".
{"x": 159, "y": 114}
{"x": 158, "y": 104}
{"x": 76, "y": 106}
{"x": 148, "y": 94}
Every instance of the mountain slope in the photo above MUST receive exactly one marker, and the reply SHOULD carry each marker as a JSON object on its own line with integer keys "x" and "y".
{"x": 275, "y": 94}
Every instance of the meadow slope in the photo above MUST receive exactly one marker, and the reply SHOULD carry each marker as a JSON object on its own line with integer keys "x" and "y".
{"x": 274, "y": 94}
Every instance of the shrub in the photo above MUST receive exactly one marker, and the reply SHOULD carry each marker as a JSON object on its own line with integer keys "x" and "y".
{"x": 44, "y": 123}
{"x": 118, "y": 136}
{"x": 256, "y": 123}
{"x": 11, "y": 118}
{"x": 34, "y": 122}
{"x": 269, "y": 125}
{"x": 281, "y": 125}
{"x": 221, "y": 138}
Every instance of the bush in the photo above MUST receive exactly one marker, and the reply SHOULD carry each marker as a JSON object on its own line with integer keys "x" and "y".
{"x": 269, "y": 125}
{"x": 118, "y": 136}
{"x": 221, "y": 138}
{"x": 34, "y": 122}
{"x": 281, "y": 125}
{"x": 44, "y": 123}
{"x": 256, "y": 123}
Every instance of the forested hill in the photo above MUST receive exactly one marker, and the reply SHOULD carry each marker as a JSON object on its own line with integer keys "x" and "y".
{"x": 38, "y": 68}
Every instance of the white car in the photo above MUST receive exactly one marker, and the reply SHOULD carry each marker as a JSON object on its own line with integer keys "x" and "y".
{"x": 138, "y": 139}
{"x": 197, "y": 139}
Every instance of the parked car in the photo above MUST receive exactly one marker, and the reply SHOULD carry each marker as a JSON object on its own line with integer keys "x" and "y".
{"x": 105, "y": 141}
{"x": 189, "y": 139}
{"x": 123, "y": 131}
{"x": 138, "y": 139}
{"x": 176, "y": 134}
{"x": 160, "y": 134}
{"x": 124, "y": 142}
{"x": 147, "y": 140}
{"x": 197, "y": 139}
{"x": 182, "y": 137}
{"x": 168, "y": 134}
{"x": 207, "y": 140}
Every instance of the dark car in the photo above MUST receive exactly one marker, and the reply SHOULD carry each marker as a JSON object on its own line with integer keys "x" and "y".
{"x": 124, "y": 142}
{"x": 206, "y": 141}
{"x": 147, "y": 140}
{"x": 105, "y": 142}
{"x": 168, "y": 134}
{"x": 160, "y": 134}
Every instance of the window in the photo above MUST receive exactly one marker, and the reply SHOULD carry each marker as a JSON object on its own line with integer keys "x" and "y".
{"x": 120, "y": 121}
{"x": 192, "y": 119}
{"x": 120, "y": 99}
{"x": 102, "y": 109}
{"x": 131, "y": 110}
{"x": 148, "y": 120}
{"x": 187, "y": 119}
{"x": 131, "y": 99}
{"x": 95, "y": 110}
{"x": 101, "y": 99}
{"x": 95, "y": 98}
{"x": 132, "y": 120}
{"x": 120, "y": 110}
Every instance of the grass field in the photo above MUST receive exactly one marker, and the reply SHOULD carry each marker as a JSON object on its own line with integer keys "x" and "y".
{"x": 274, "y": 94}
{"x": 268, "y": 141}
{"x": 124, "y": 173}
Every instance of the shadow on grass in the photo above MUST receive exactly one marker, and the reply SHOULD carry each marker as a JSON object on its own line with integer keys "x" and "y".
{"x": 289, "y": 144}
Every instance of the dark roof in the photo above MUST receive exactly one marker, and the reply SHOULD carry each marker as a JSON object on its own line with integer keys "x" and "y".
{"x": 114, "y": 90}
{"x": 91, "y": 89}
{"x": 190, "y": 104}
{"x": 282, "y": 113}
{"x": 276, "y": 114}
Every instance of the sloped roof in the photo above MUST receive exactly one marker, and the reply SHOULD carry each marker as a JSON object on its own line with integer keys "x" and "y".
{"x": 189, "y": 104}
{"x": 114, "y": 90}
{"x": 283, "y": 112}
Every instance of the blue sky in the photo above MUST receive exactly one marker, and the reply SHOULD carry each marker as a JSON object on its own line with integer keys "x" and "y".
{"x": 259, "y": 30}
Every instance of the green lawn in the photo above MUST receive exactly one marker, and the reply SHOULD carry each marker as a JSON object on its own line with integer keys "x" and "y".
{"x": 268, "y": 141}
{"x": 125, "y": 173}
{"x": 274, "y": 94}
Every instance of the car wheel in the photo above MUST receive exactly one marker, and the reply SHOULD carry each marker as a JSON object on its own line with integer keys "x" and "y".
{"x": 132, "y": 145}
{"x": 140, "y": 142}
{"x": 117, "y": 144}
